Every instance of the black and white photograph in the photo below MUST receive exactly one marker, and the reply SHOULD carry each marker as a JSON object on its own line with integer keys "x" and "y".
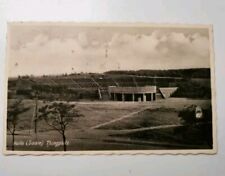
{"x": 109, "y": 88}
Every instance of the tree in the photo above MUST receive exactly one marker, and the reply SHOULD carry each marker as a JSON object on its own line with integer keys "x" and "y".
{"x": 13, "y": 112}
{"x": 58, "y": 116}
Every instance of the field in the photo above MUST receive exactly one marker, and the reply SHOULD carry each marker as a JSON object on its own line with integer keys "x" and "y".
{"x": 116, "y": 126}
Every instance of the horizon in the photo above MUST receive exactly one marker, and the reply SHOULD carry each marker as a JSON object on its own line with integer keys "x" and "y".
{"x": 79, "y": 73}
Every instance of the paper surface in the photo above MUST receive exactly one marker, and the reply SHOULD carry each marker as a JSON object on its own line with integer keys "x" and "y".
{"x": 106, "y": 88}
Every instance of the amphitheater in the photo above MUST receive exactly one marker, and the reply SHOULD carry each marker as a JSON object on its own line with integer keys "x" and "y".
{"x": 101, "y": 87}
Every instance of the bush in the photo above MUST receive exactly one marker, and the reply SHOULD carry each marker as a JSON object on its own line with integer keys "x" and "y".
{"x": 194, "y": 132}
{"x": 187, "y": 115}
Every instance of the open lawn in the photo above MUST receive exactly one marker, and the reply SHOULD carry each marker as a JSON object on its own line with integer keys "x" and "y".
{"x": 109, "y": 125}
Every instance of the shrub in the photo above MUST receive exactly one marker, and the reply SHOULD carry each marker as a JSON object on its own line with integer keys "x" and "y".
{"x": 188, "y": 115}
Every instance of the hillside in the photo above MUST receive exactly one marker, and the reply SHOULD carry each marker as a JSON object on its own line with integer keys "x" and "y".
{"x": 192, "y": 83}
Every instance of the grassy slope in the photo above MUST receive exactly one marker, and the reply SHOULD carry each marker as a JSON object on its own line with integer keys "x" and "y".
{"x": 82, "y": 138}
{"x": 147, "y": 118}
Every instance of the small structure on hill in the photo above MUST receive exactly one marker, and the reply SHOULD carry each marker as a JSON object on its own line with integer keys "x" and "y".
{"x": 167, "y": 91}
{"x": 146, "y": 93}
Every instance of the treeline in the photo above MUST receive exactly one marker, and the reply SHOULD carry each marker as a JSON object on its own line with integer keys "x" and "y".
{"x": 184, "y": 73}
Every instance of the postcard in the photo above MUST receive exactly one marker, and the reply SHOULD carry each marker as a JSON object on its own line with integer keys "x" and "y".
{"x": 109, "y": 88}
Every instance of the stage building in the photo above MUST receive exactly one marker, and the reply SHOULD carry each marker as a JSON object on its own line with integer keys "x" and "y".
{"x": 146, "y": 93}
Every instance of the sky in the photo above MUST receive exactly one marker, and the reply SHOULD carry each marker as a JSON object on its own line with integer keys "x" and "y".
{"x": 57, "y": 48}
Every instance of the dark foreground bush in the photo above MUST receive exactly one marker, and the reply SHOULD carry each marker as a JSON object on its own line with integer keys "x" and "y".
{"x": 196, "y": 130}
{"x": 188, "y": 115}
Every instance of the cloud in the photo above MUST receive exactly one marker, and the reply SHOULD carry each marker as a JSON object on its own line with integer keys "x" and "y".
{"x": 43, "y": 56}
{"x": 160, "y": 50}
{"x": 85, "y": 53}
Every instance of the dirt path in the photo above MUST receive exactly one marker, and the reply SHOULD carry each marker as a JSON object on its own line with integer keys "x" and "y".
{"x": 118, "y": 119}
{"x": 149, "y": 128}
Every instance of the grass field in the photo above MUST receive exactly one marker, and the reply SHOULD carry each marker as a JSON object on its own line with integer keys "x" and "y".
{"x": 115, "y": 126}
